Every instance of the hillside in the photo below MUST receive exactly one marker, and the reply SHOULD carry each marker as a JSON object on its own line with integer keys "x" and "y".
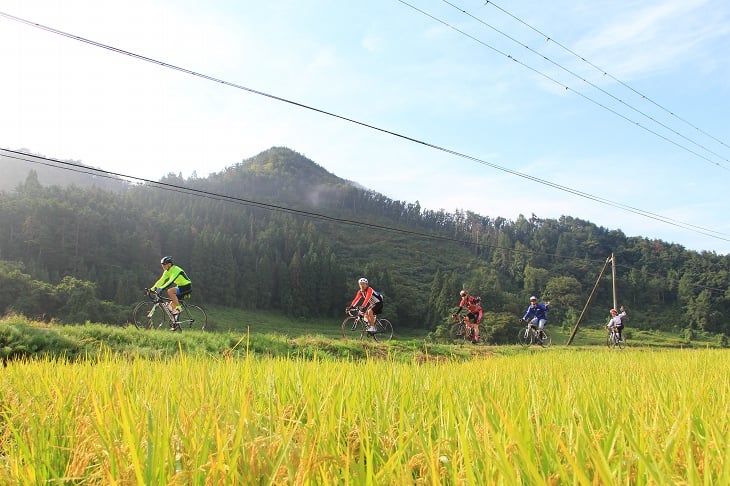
{"x": 279, "y": 232}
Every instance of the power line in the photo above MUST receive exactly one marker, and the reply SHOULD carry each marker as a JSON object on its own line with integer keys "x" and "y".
{"x": 568, "y": 88}
{"x": 698, "y": 229}
{"x": 606, "y": 73}
{"x": 593, "y": 85}
{"x": 80, "y": 168}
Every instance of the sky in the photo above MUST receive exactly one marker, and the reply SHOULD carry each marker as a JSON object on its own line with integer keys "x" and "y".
{"x": 615, "y": 112}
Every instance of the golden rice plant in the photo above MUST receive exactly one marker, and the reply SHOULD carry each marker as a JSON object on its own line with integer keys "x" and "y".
{"x": 557, "y": 416}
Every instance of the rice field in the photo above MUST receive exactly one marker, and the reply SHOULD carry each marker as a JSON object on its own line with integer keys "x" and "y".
{"x": 557, "y": 416}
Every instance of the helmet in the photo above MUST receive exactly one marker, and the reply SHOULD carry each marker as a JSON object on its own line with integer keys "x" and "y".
{"x": 613, "y": 310}
{"x": 167, "y": 259}
{"x": 533, "y": 298}
{"x": 463, "y": 293}
{"x": 362, "y": 280}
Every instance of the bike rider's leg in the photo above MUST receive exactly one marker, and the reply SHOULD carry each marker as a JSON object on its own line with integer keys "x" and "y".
{"x": 472, "y": 323}
{"x": 541, "y": 326}
{"x": 370, "y": 316}
{"x": 172, "y": 293}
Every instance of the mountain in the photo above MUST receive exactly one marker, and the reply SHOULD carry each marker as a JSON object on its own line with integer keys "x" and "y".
{"x": 16, "y": 168}
{"x": 279, "y": 232}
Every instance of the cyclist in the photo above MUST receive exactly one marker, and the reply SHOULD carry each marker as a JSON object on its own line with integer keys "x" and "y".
{"x": 537, "y": 314}
{"x": 369, "y": 300}
{"x": 474, "y": 313}
{"x": 175, "y": 281}
{"x": 616, "y": 322}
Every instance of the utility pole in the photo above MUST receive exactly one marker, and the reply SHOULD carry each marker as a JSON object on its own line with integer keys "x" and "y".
{"x": 590, "y": 297}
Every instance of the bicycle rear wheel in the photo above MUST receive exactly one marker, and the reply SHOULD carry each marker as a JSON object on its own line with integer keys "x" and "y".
{"x": 148, "y": 315}
{"x": 545, "y": 341}
{"x": 351, "y": 327}
{"x": 384, "y": 330}
{"x": 192, "y": 317}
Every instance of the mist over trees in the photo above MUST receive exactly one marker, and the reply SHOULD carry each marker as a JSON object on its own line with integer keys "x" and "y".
{"x": 278, "y": 232}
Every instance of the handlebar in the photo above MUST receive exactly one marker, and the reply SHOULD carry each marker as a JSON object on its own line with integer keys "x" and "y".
{"x": 155, "y": 296}
{"x": 354, "y": 311}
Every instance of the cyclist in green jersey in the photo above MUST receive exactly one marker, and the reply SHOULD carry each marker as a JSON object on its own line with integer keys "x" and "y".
{"x": 175, "y": 282}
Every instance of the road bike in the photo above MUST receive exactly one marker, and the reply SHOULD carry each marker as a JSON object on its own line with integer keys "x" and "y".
{"x": 462, "y": 330}
{"x": 530, "y": 335}
{"x": 613, "y": 339}
{"x": 154, "y": 313}
{"x": 356, "y": 325}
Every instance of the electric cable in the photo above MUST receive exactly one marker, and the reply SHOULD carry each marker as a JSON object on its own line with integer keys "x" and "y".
{"x": 607, "y": 74}
{"x": 566, "y": 87}
{"x": 688, "y": 226}
{"x": 593, "y": 85}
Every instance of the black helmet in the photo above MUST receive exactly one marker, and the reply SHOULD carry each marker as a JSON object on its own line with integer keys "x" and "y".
{"x": 167, "y": 259}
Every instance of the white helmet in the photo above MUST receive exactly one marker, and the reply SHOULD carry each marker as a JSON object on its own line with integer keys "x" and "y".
{"x": 533, "y": 298}
{"x": 463, "y": 293}
{"x": 362, "y": 280}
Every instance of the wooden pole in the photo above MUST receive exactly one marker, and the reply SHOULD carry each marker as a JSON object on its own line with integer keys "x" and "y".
{"x": 588, "y": 303}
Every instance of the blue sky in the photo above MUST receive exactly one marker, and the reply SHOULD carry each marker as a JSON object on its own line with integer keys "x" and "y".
{"x": 653, "y": 133}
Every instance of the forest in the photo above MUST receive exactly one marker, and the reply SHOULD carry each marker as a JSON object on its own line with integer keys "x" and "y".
{"x": 277, "y": 232}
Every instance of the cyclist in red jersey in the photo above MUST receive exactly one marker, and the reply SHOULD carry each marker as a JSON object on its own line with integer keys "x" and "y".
{"x": 370, "y": 301}
{"x": 474, "y": 312}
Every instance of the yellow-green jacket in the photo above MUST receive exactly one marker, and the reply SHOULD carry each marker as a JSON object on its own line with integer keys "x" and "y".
{"x": 173, "y": 275}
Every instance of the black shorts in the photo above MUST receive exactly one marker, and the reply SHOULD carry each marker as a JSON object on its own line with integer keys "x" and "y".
{"x": 184, "y": 290}
{"x": 377, "y": 308}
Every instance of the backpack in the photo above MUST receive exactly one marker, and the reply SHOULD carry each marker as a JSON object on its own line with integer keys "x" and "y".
{"x": 379, "y": 295}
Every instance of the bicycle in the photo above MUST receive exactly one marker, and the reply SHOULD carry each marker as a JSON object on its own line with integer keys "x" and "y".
{"x": 155, "y": 313}
{"x": 356, "y": 323}
{"x": 530, "y": 335}
{"x": 613, "y": 339}
{"x": 462, "y": 330}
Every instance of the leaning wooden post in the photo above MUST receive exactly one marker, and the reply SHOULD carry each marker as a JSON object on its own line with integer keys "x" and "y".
{"x": 588, "y": 303}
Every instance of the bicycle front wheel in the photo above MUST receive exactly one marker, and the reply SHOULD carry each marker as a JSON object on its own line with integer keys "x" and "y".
{"x": 458, "y": 332}
{"x": 610, "y": 341}
{"x": 351, "y": 327}
{"x": 148, "y": 315}
{"x": 524, "y": 337}
{"x": 192, "y": 317}
{"x": 384, "y": 330}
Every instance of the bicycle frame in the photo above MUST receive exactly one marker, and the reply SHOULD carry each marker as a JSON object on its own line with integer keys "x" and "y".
{"x": 612, "y": 340}
{"x": 190, "y": 316}
{"x": 530, "y": 335}
{"x": 356, "y": 319}
{"x": 463, "y": 328}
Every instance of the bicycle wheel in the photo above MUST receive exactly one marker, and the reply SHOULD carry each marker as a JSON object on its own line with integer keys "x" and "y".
{"x": 545, "y": 341}
{"x": 148, "y": 315}
{"x": 351, "y": 327}
{"x": 457, "y": 332}
{"x": 610, "y": 341}
{"x": 192, "y": 317}
{"x": 384, "y": 330}
{"x": 524, "y": 337}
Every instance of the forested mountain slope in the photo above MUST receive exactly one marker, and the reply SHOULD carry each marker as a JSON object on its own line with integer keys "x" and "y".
{"x": 279, "y": 232}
